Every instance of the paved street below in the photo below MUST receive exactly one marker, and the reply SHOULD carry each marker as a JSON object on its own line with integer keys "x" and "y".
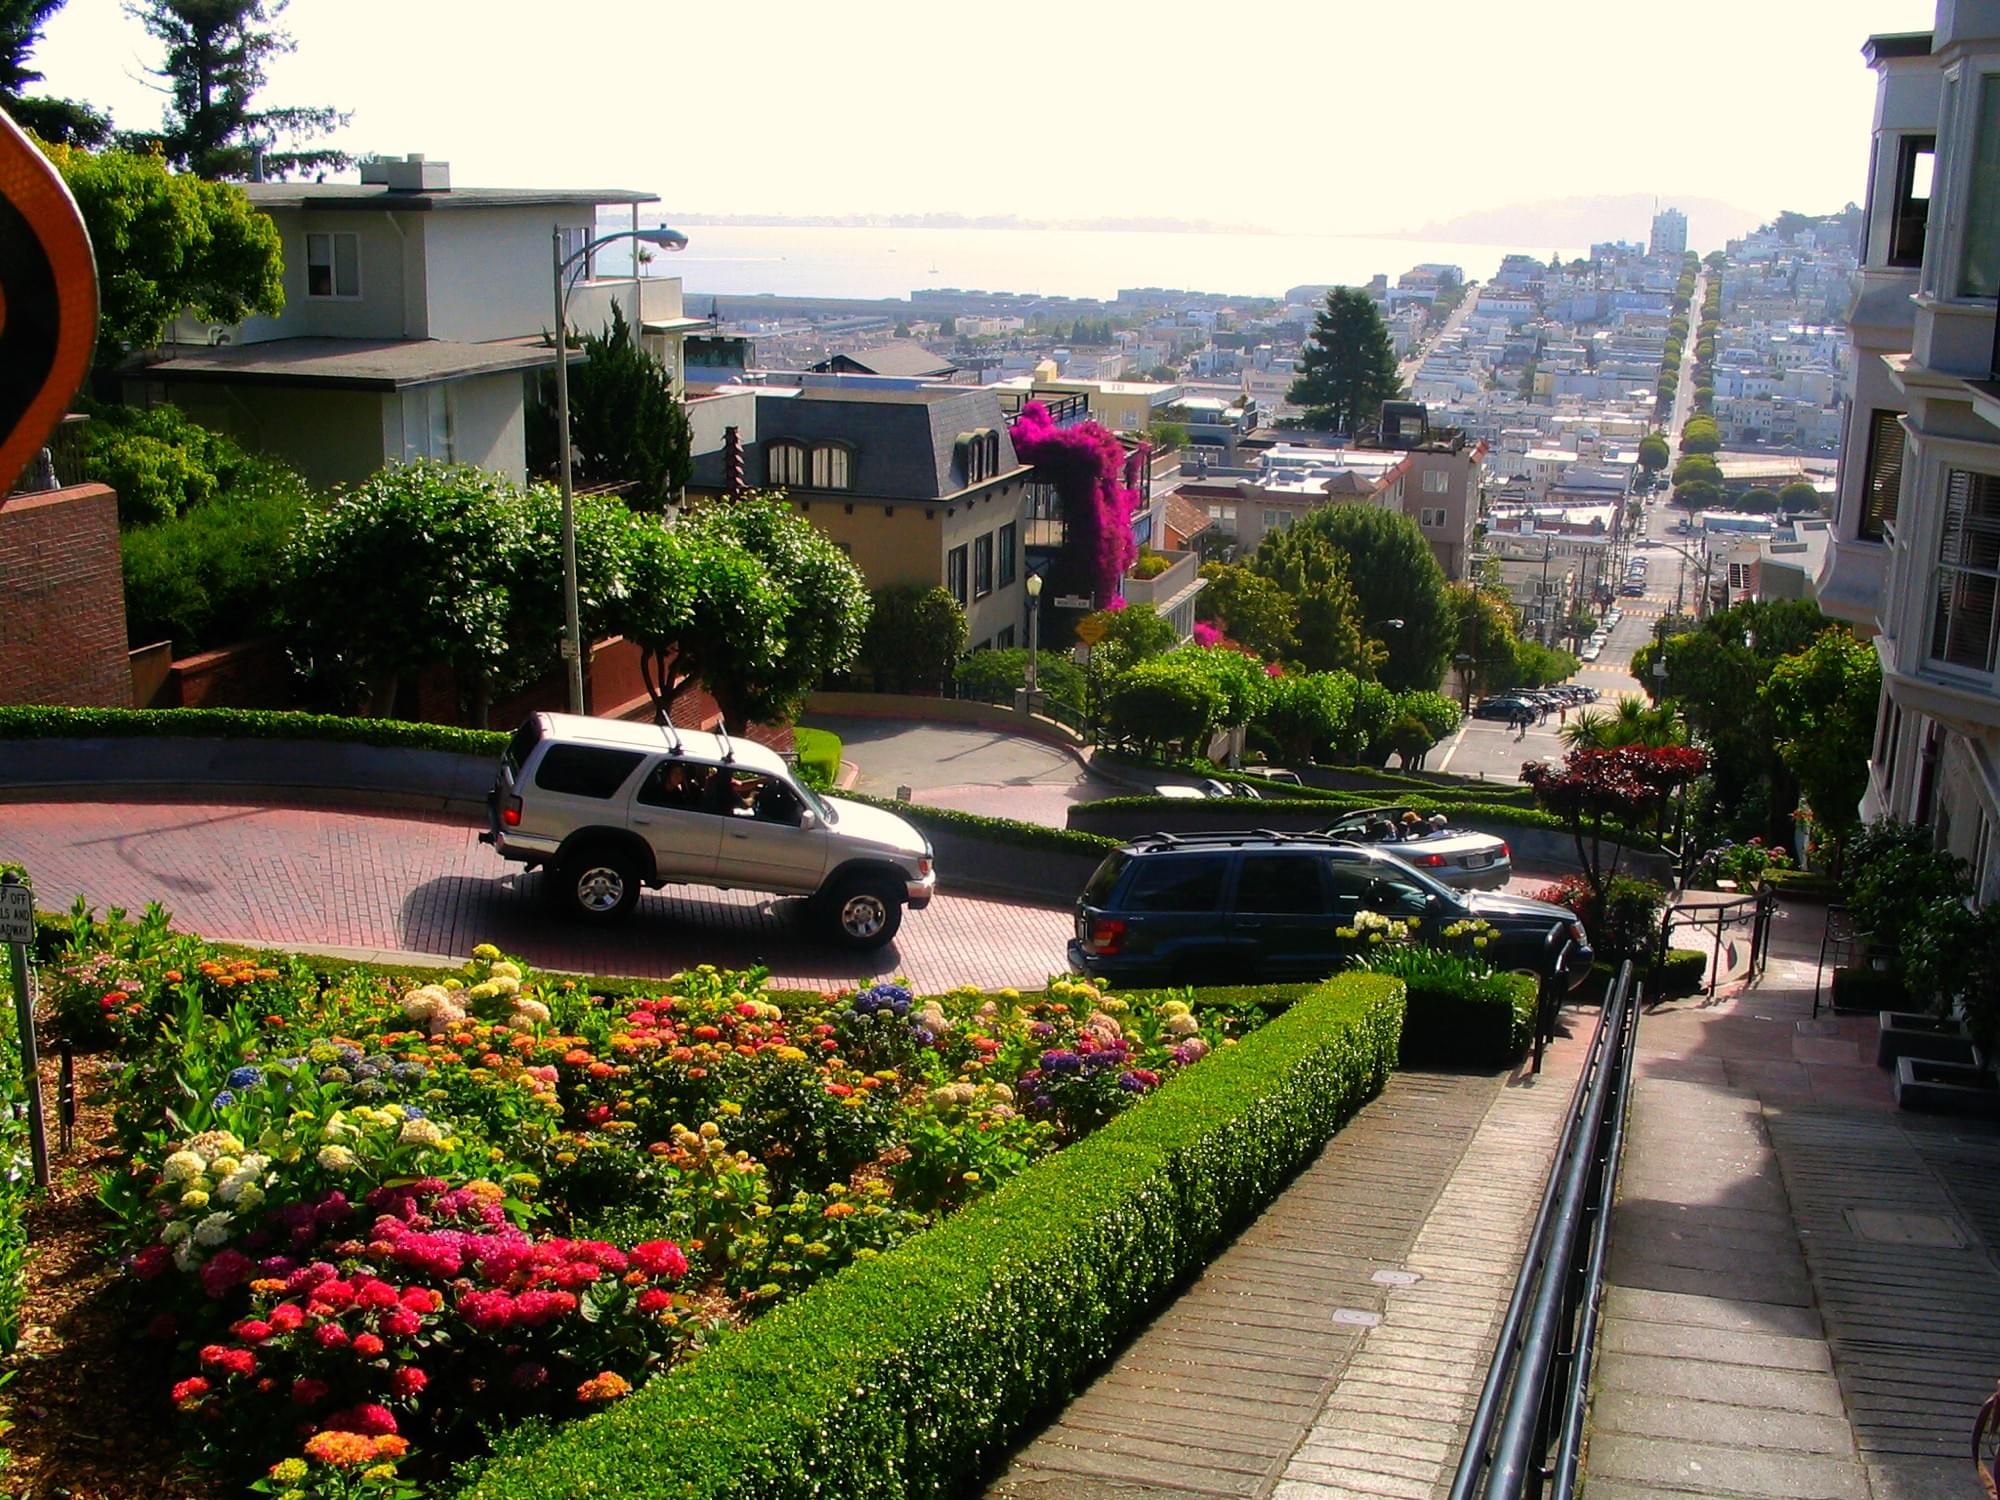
{"x": 973, "y": 769}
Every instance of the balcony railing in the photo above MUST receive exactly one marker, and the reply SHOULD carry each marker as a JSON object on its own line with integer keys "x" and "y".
{"x": 1160, "y": 589}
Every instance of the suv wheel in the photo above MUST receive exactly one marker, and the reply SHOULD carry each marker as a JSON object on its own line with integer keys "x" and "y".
{"x": 599, "y": 885}
{"x": 864, "y": 912}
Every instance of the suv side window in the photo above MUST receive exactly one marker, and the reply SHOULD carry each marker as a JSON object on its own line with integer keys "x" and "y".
{"x": 751, "y": 794}
{"x": 683, "y": 785}
{"x": 1177, "y": 882}
{"x": 1280, "y": 885}
{"x": 585, "y": 770}
{"x": 1396, "y": 895}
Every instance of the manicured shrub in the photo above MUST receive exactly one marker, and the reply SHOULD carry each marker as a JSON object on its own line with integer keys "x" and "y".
{"x": 214, "y": 574}
{"x": 1624, "y": 923}
{"x": 995, "y": 676}
{"x": 819, "y": 756}
{"x": 1680, "y": 973}
{"x": 908, "y": 1374}
{"x": 160, "y": 463}
{"x": 1458, "y": 1010}
{"x": 39, "y": 722}
{"x": 17, "y": 1179}
{"x": 997, "y": 830}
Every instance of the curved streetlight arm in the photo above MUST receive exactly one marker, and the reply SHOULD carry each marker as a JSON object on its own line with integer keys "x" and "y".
{"x": 664, "y": 238}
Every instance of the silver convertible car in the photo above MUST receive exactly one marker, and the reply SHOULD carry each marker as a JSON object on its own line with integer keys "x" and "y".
{"x": 1456, "y": 857}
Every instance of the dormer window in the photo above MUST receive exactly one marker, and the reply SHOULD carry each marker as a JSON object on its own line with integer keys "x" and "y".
{"x": 1914, "y": 160}
{"x": 978, "y": 455}
{"x": 333, "y": 265}
{"x": 785, "y": 463}
{"x": 832, "y": 467}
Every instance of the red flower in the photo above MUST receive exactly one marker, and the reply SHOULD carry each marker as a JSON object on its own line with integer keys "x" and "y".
{"x": 235, "y": 1361}
{"x": 151, "y": 1262}
{"x": 660, "y": 1258}
{"x": 367, "y": 1346}
{"x": 188, "y": 1393}
{"x": 654, "y": 1300}
{"x": 421, "y": 1299}
{"x": 330, "y": 1336}
{"x": 401, "y": 1323}
{"x": 286, "y": 1317}
{"x": 309, "y": 1392}
{"x": 372, "y": 1418}
{"x": 251, "y": 1330}
{"x": 224, "y": 1272}
{"x": 408, "y": 1380}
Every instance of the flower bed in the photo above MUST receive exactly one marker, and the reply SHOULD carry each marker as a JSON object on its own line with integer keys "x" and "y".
{"x": 369, "y": 1222}
{"x": 909, "y": 1375}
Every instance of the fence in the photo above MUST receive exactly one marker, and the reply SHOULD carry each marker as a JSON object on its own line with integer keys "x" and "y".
{"x": 1758, "y": 908}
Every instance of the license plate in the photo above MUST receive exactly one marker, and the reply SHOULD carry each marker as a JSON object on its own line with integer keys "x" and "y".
{"x": 1478, "y": 861}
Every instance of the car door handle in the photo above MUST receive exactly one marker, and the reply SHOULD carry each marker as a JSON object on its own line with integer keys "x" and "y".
{"x": 739, "y": 833}
{"x": 642, "y": 822}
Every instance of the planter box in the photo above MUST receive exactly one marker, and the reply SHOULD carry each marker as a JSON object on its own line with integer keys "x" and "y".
{"x": 1947, "y": 1088}
{"x": 1863, "y": 990}
{"x": 1904, "y": 1034}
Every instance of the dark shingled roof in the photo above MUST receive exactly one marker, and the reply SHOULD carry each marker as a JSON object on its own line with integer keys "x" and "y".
{"x": 903, "y": 441}
{"x": 345, "y": 364}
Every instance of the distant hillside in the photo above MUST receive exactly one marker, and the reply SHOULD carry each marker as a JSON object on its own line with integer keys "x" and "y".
{"x": 1584, "y": 221}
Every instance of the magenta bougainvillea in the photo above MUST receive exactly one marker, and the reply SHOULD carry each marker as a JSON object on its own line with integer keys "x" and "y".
{"x": 1206, "y": 634}
{"x": 1094, "y": 477}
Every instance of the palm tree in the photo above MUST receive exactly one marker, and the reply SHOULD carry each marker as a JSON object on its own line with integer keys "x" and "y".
{"x": 1634, "y": 723}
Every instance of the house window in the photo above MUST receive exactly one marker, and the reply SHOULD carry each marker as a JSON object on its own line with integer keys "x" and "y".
{"x": 1915, "y": 157}
{"x": 1436, "y": 482}
{"x": 1979, "y": 258}
{"x": 1968, "y": 572}
{"x": 954, "y": 574}
{"x": 333, "y": 265}
{"x": 830, "y": 469}
{"x": 569, "y": 242}
{"x": 785, "y": 463}
{"x": 1883, "y": 481}
{"x": 1004, "y": 640}
{"x": 1010, "y": 546}
{"x": 982, "y": 566}
{"x": 1431, "y": 518}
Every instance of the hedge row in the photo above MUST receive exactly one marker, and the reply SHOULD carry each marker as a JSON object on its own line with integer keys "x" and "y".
{"x": 1394, "y": 784}
{"x": 995, "y": 830}
{"x": 909, "y": 1375}
{"x": 1484, "y": 1026}
{"x": 1333, "y": 804}
{"x": 43, "y": 723}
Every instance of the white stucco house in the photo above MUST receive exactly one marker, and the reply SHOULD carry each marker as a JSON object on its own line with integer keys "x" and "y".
{"x": 417, "y": 320}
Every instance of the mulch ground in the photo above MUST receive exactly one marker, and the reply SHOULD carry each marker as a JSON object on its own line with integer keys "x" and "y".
{"x": 87, "y": 1401}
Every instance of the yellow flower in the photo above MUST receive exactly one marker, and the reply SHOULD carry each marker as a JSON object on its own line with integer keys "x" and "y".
{"x": 730, "y": 1107}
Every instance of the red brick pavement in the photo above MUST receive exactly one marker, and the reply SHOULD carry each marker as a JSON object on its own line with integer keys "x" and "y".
{"x": 339, "y": 878}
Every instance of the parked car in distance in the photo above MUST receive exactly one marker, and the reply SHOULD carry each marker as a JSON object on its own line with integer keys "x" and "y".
{"x": 1458, "y": 857}
{"x": 1197, "y": 908}
{"x": 1181, "y": 793}
{"x": 1228, "y": 789}
{"x": 606, "y": 806}
{"x": 1274, "y": 773}
{"x": 1501, "y": 708}
{"x": 1591, "y": 651}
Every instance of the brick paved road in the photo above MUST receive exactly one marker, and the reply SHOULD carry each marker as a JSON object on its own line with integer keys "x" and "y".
{"x": 336, "y": 877}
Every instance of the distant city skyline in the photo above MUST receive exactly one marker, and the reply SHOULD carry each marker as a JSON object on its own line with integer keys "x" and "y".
{"x": 1328, "y": 119}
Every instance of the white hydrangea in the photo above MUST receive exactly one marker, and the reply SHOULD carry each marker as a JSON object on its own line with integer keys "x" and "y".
{"x": 182, "y": 1165}
{"x": 420, "y": 1133}
{"x": 530, "y": 1013}
{"x": 213, "y": 1230}
{"x": 173, "y": 1231}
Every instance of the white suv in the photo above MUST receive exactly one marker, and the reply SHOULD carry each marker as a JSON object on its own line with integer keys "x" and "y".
{"x": 606, "y": 806}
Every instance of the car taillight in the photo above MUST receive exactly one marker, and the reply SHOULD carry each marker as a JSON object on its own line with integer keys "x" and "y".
{"x": 1505, "y": 852}
{"x": 1107, "y": 935}
{"x": 1433, "y": 861}
{"x": 924, "y": 868}
{"x": 511, "y": 813}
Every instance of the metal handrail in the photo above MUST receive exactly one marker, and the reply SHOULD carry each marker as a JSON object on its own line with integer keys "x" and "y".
{"x": 1538, "y": 1385}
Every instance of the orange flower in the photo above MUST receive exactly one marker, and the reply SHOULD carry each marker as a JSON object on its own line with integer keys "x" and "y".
{"x": 608, "y": 1386}
{"x": 344, "y": 1450}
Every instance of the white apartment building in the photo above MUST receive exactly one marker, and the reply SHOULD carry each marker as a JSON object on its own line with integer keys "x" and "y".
{"x": 1914, "y": 557}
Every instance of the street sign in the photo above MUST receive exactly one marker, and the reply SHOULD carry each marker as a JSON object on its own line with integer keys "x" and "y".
{"x": 17, "y": 914}
{"x": 1090, "y": 632}
{"x": 1072, "y": 601}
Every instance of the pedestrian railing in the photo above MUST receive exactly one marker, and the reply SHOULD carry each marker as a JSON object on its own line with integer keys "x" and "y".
{"x": 1759, "y": 908}
{"x": 1526, "y": 1435}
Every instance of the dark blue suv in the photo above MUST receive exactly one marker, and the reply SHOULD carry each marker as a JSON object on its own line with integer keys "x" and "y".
{"x": 1233, "y": 907}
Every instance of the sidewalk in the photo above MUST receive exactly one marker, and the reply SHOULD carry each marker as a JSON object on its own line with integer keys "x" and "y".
{"x": 1803, "y": 1297}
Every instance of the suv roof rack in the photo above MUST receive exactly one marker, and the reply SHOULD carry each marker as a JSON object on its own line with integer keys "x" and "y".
{"x": 1236, "y": 836}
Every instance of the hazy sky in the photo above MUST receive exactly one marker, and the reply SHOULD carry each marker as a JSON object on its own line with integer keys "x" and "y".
{"x": 1314, "y": 115}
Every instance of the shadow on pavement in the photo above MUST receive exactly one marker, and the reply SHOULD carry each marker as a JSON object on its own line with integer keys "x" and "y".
{"x": 666, "y": 934}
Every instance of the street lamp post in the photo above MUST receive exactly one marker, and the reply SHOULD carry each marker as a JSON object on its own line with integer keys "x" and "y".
{"x": 1034, "y": 586}
{"x": 666, "y": 239}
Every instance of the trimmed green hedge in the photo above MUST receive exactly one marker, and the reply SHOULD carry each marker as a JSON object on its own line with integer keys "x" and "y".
{"x": 1682, "y": 972}
{"x": 997, "y": 830}
{"x": 909, "y": 1375}
{"x": 1807, "y": 885}
{"x": 44, "y": 723}
{"x": 1333, "y": 804}
{"x": 17, "y": 1174}
{"x": 819, "y": 756}
{"x": 1394, "y": 785}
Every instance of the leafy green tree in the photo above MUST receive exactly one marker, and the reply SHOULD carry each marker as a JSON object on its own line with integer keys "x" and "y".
{"x": 1242, "y": 680}
{"x": 914, "y": 638}
{"x": 1368, "y": 725}
{"x": 1654, "y": 454}
{"x": 1347, "y": 369}
{"x": 167, "y": 243}
{"x": 1484, "y": 638}
{"x": 1131, "y": 634}
{"x": 1697, "y": 494}
{"x": 1701, "y": 435}
{"x": 1307, "y": 713}
{"x": 750, "y": 600}
{"x": 1822, "y": 701}
{"x": 158, "y": 462}
{"x": 1758, "y": 502}
{"x": 1255, "y": 612}
{"x": 407, "y": 570}
{"x": 1698, "y": 467}
{"x": 995, "y": 676}
{"x": 1164, "y": 702}
{"x": 214, "y": 575}
{"x": 1313, "y": 575}
{"x": 1166, "y": 437}
{"x": 1536, "y": 665}
{"x": 1796, "y": 497}
{"x": 1394, "y": 575}
{"x": 216, "y": 51}
{"x": 63, "y": 121}
{"x": 626, "y": 422}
